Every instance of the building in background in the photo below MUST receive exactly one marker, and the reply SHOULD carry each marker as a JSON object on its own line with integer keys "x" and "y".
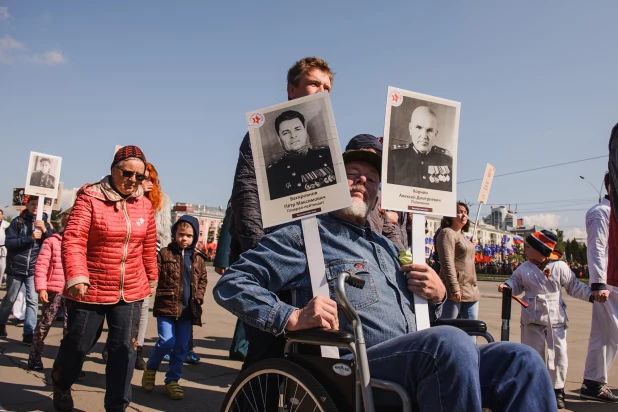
{"x": 502, "y": 218}
{"x": 210, "y": 220}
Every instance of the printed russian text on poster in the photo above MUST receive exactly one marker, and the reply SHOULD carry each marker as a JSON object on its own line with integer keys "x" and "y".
{"x": 420, "y": 143}
{"x": 297, "y": 157}
{"x": 43, "y": 175}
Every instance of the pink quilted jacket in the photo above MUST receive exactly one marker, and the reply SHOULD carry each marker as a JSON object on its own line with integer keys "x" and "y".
{"x": 110, "y": 244}
{"x": 48, "y": 272}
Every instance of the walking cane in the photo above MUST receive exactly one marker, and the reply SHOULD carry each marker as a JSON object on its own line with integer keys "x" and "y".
{"x": 506, "y": 313}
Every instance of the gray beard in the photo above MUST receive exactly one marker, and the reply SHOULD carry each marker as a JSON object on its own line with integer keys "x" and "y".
{"x": 358, "y": 210}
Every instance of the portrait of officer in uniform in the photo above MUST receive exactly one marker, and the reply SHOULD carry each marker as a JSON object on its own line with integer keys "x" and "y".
{"x": 42, "y": 176}
{"x": 421, "y": 163}
{"x": 302, "y": 167}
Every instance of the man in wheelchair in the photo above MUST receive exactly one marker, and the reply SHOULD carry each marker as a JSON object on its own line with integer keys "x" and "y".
{"x": 440, "y": 367}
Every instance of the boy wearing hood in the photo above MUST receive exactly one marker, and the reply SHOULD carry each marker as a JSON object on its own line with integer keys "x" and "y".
{"x": 178, "y": 304}
{"x": 24, "y": 238}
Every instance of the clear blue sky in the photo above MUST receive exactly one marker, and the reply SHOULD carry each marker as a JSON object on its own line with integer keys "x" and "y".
{"x": 537, "y": 82}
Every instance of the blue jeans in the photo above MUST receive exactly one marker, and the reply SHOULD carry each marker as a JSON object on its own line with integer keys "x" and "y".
{"x": 444, "y": 371}
{"x": 85, "y": 322}
{"x": 468, "y": 310}
{"x": 13, "y": 284}
{"x": 174, "y": 338}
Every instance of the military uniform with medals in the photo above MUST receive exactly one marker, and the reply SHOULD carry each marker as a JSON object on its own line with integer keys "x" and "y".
{"x": 293, "y": 174}
{"x": 432, "y": 170}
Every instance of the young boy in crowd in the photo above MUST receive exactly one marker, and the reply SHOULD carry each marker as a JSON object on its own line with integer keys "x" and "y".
{"x": 544, "y": 321}
{"x": 178, "y": 304}
{"x": 24, "y": 238}
{"x": 49, "y": 283}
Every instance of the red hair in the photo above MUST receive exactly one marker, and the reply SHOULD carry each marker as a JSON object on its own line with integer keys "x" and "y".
{"x": 155, "y": 195}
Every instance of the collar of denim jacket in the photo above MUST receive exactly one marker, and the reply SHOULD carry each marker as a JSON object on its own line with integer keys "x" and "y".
{"x": 360, "y": 229}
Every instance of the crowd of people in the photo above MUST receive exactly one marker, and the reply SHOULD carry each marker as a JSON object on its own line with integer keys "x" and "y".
{"x": 118, "y": 248}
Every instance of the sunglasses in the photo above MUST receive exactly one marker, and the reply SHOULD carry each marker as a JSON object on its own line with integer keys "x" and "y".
{"x": 129, "y": 174}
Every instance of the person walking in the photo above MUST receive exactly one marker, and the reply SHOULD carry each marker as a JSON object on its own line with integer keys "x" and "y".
{"x": 178, "y": 304}
{"x": 110, "y": 261}
{"x": 24, "y": 238}
{"x": 49, "y": 284}
{"x": 457, "y": 269}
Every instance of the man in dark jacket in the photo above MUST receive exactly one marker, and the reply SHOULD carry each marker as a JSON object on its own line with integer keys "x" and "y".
{"x": 23, "y": 243}
{"x": 307, "y": 76}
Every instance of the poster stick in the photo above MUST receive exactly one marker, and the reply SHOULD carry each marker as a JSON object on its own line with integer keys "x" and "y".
{"x": 39, "y": 210}
{"x": 421, "y": 309}
{"x": 317, "y": 270}
{"x": 476, "y": 221}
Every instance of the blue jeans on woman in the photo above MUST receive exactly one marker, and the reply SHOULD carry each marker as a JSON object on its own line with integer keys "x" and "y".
{"x": 174, "y": 335}
{"x": 467, "y": 310}
{"x": 13, "y": 284}
{"x": 444, "y": 371}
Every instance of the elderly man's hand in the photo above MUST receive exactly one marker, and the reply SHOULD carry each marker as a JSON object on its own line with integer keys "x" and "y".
{"x": 219, "y": 270}
{"x": 600, "y": 295}
{"x": 320, "y": 312}
{"x": 423, "y": 281}
{"x": 78, "y": 290}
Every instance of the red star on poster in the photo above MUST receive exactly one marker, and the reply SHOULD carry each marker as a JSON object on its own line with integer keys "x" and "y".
{"x": 395, "y": 97}
{"x": 256, "y": 119}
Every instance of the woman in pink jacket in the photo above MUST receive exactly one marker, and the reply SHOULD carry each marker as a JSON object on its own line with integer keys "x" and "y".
{"x": 110, "y": 263}
{"x": 49, "y": 284}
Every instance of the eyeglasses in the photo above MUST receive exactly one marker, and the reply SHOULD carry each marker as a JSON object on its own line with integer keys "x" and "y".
{"x": 129, "y": 174}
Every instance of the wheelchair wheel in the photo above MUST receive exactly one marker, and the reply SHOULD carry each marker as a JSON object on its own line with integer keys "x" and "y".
{"x": 277, "y": 385}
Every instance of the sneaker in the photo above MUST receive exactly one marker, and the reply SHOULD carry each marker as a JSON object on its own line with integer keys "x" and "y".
{"x": 27, "y": 340}
{"x": 148, "y": 379}
{"x": 192, "y": 358}
{"x": 174, "y": 391}
{"x": 35, "y": 365}
{"x": 597, "y": 392}
{"x": 3, "y": 330}
{"x": 63, "y": 401}
{"x": 166, "y": 358}
{"x": 139, "y": 360}
{"x": 560, "y": 398}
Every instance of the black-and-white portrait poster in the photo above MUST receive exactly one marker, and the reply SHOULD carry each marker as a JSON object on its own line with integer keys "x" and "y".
{"x": 19, "y": 198}
{"x": 298, "y": 162}
{"x": 420, "y": 149}
{"x": 43, "y": 175}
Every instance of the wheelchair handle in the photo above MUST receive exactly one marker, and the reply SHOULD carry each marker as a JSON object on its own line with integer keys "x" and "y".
{"x": 355, "y": 281}
{"x": 364, "y": 377}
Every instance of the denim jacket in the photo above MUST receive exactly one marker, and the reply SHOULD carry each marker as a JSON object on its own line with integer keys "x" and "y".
{"x": 278, "y": 263}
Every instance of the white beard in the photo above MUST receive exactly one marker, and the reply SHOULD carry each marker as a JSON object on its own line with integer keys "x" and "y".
{"x": 359, "y": 209}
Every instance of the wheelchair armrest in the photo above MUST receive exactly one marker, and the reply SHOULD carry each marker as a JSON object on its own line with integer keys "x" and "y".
{"x": 324, "y": 335}
{"x": 467, "y": 325}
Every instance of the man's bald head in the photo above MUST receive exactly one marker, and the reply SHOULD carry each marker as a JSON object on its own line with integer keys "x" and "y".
{"x": 423, "y": 128}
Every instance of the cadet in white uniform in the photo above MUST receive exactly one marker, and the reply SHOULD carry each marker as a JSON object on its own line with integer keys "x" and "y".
{"x": 544, "y": 322}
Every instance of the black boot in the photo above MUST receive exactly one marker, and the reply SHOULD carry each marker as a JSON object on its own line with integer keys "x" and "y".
{"x": 139, "y": 359}
{"x": 560, "y": 398}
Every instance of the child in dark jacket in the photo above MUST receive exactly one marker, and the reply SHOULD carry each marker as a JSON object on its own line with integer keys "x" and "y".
{"x": 178, "y": 304}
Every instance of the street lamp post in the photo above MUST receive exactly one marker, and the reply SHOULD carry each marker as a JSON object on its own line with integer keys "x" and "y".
{"x": 595, "y": 189}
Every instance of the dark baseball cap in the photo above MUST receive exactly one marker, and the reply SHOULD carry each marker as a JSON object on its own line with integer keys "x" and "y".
{"x": 364, "y": 156}
{"x": 364, "y": 141}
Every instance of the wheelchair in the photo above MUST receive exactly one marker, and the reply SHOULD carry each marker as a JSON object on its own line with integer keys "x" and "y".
{"x": 301, "y": 382}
